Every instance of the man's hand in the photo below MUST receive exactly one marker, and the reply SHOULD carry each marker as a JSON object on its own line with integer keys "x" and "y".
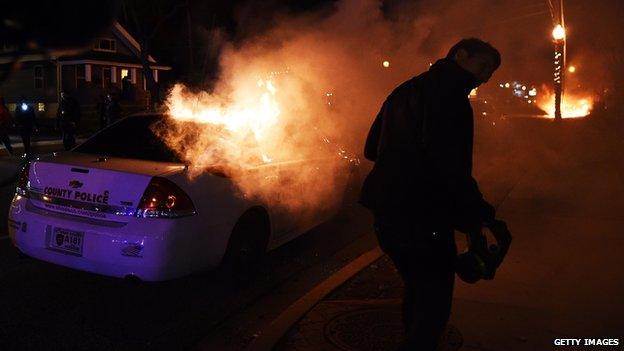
{"x": 500, "y": 231}
{"x": 477, "y": 242}
{"x": 503, "y": 238}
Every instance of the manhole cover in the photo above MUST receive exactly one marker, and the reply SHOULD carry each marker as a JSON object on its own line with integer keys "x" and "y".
{"x": 365, "y": 329}
{"x": 451, "y": 339}
{"x": 376, "y": 329}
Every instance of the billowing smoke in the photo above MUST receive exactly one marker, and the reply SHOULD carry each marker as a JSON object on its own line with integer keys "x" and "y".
{"x": 309, "y": 86}
{"x": 305, "y": 90}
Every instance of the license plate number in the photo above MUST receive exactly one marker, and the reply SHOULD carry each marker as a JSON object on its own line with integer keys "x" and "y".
{"x": 67, "y": 241}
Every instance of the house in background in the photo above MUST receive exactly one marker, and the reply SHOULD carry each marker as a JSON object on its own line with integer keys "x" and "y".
{"x": 109, "y": 66}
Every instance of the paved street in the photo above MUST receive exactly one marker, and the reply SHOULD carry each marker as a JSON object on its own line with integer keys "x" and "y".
{"x": 561, "y": 279}
{"x": 43, "y": 306}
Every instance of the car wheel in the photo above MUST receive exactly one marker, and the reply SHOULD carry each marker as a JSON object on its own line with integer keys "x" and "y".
{"x": 22, "y": 256}
{"x": 248, "y": 242}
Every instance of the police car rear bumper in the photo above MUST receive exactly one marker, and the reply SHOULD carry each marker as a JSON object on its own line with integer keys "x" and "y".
{"x": 148, "y": 251}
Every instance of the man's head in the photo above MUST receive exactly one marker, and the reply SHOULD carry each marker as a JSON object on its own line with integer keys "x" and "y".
{"x": 477, "y": 57}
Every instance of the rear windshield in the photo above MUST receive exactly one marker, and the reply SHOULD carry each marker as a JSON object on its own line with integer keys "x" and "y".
{"x": 131, "y": 138}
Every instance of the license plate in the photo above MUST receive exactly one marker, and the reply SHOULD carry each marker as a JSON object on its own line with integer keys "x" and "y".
{"x": 67, "y": 241}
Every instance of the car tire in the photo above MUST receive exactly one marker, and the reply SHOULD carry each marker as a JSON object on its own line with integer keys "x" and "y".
{"x": 22, "y": 256}
{"x": 248, "y": 242}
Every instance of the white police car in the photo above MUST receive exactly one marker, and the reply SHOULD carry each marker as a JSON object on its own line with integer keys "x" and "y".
{"x": 121, "y": 204}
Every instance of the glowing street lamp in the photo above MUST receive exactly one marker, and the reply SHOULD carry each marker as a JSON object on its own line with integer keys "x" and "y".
{"x": 572, "y": 69}
{"x": 386, "y": 64}
{"x": 559, "y": 39}
{"x": 558, "y": 33}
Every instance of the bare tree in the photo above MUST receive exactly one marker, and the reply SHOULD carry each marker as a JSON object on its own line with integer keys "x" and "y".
{"x": 148, "y": 19}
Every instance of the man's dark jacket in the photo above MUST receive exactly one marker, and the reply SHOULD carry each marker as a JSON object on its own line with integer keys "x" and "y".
{"x": 25, "y": 118}
{"x": 112, "y": 112}
{"x": 421, "y": 142}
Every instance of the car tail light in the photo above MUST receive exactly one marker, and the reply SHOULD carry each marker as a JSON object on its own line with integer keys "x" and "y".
{"x": 22, "y": 181}
{"x": 164, "y": 199}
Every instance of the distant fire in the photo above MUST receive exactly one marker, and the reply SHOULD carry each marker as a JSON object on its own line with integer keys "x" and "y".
{"x": 572, "y": 105}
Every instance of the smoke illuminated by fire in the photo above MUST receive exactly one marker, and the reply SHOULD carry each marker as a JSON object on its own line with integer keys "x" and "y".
{"x": 572, "y": 105}
{"x": 283, "y": 92}
{"x": 301, "y": 94}
{"x": 258, "y": 131}
{"x": 238, "y": 132}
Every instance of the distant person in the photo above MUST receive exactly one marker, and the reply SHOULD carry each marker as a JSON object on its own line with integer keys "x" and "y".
{"x": 112, "y": 110}
{"x": 101, "y": 111}
{"x": 25, "y": 118}
{"x": 126, "y": 86}
{"x": 421, "y": 187}
{"x": 67, "y": 119}
{"x": 6, "y": 120}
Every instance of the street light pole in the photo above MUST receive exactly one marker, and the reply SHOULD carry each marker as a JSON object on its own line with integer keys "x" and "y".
{"x": 559, "y": 65}
{"x": 559, "y": 39}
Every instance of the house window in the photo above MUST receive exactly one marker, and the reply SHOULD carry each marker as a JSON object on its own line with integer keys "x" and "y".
{"x": 38, "y": 77}
{"x": 7, "y": 48}
{"x": 107, "y": 76}
{"x": 125, "y": 73}
{"x": 80, "y": 75}
{"x": 96, "y": 75}
{"x": 40, "y": 107}
{"x": 105, "y": 44}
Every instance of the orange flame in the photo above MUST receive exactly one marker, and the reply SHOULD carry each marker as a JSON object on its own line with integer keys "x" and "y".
{"x": 245, "y": 122}
{"x": 572, "y": 105}
{"x": 261, "y": 139}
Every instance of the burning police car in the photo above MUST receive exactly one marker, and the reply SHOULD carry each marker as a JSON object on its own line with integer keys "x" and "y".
{"x": 122, "y": 204}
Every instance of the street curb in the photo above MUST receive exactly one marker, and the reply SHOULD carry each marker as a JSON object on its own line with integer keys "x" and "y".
{"x": 41, "y": 143}
{"x": 291, "y": 315}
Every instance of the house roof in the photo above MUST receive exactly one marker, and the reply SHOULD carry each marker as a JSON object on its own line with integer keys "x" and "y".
{"x": 107, "y": 58}
{"x": 97, "y": 57}
{"x": 129, "y": 40}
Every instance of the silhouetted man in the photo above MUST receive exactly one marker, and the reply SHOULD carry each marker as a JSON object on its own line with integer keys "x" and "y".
{"x": 67, "y": 118}
{"x": 421, "y": 187}
{"x": 100, "y": 107}
{"x": 25, "y": 118}
{"x": 5, "y": 125}
{"x": 112, "y": 110}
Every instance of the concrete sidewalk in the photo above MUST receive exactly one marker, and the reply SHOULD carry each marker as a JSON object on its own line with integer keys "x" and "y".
{"x": 564, "y": 203}
{"x": 36, "y": 144}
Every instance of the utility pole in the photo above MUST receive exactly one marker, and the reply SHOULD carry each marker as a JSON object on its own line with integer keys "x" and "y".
{"x": 559, "y": 40}
{"x": 190, "y": 36}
